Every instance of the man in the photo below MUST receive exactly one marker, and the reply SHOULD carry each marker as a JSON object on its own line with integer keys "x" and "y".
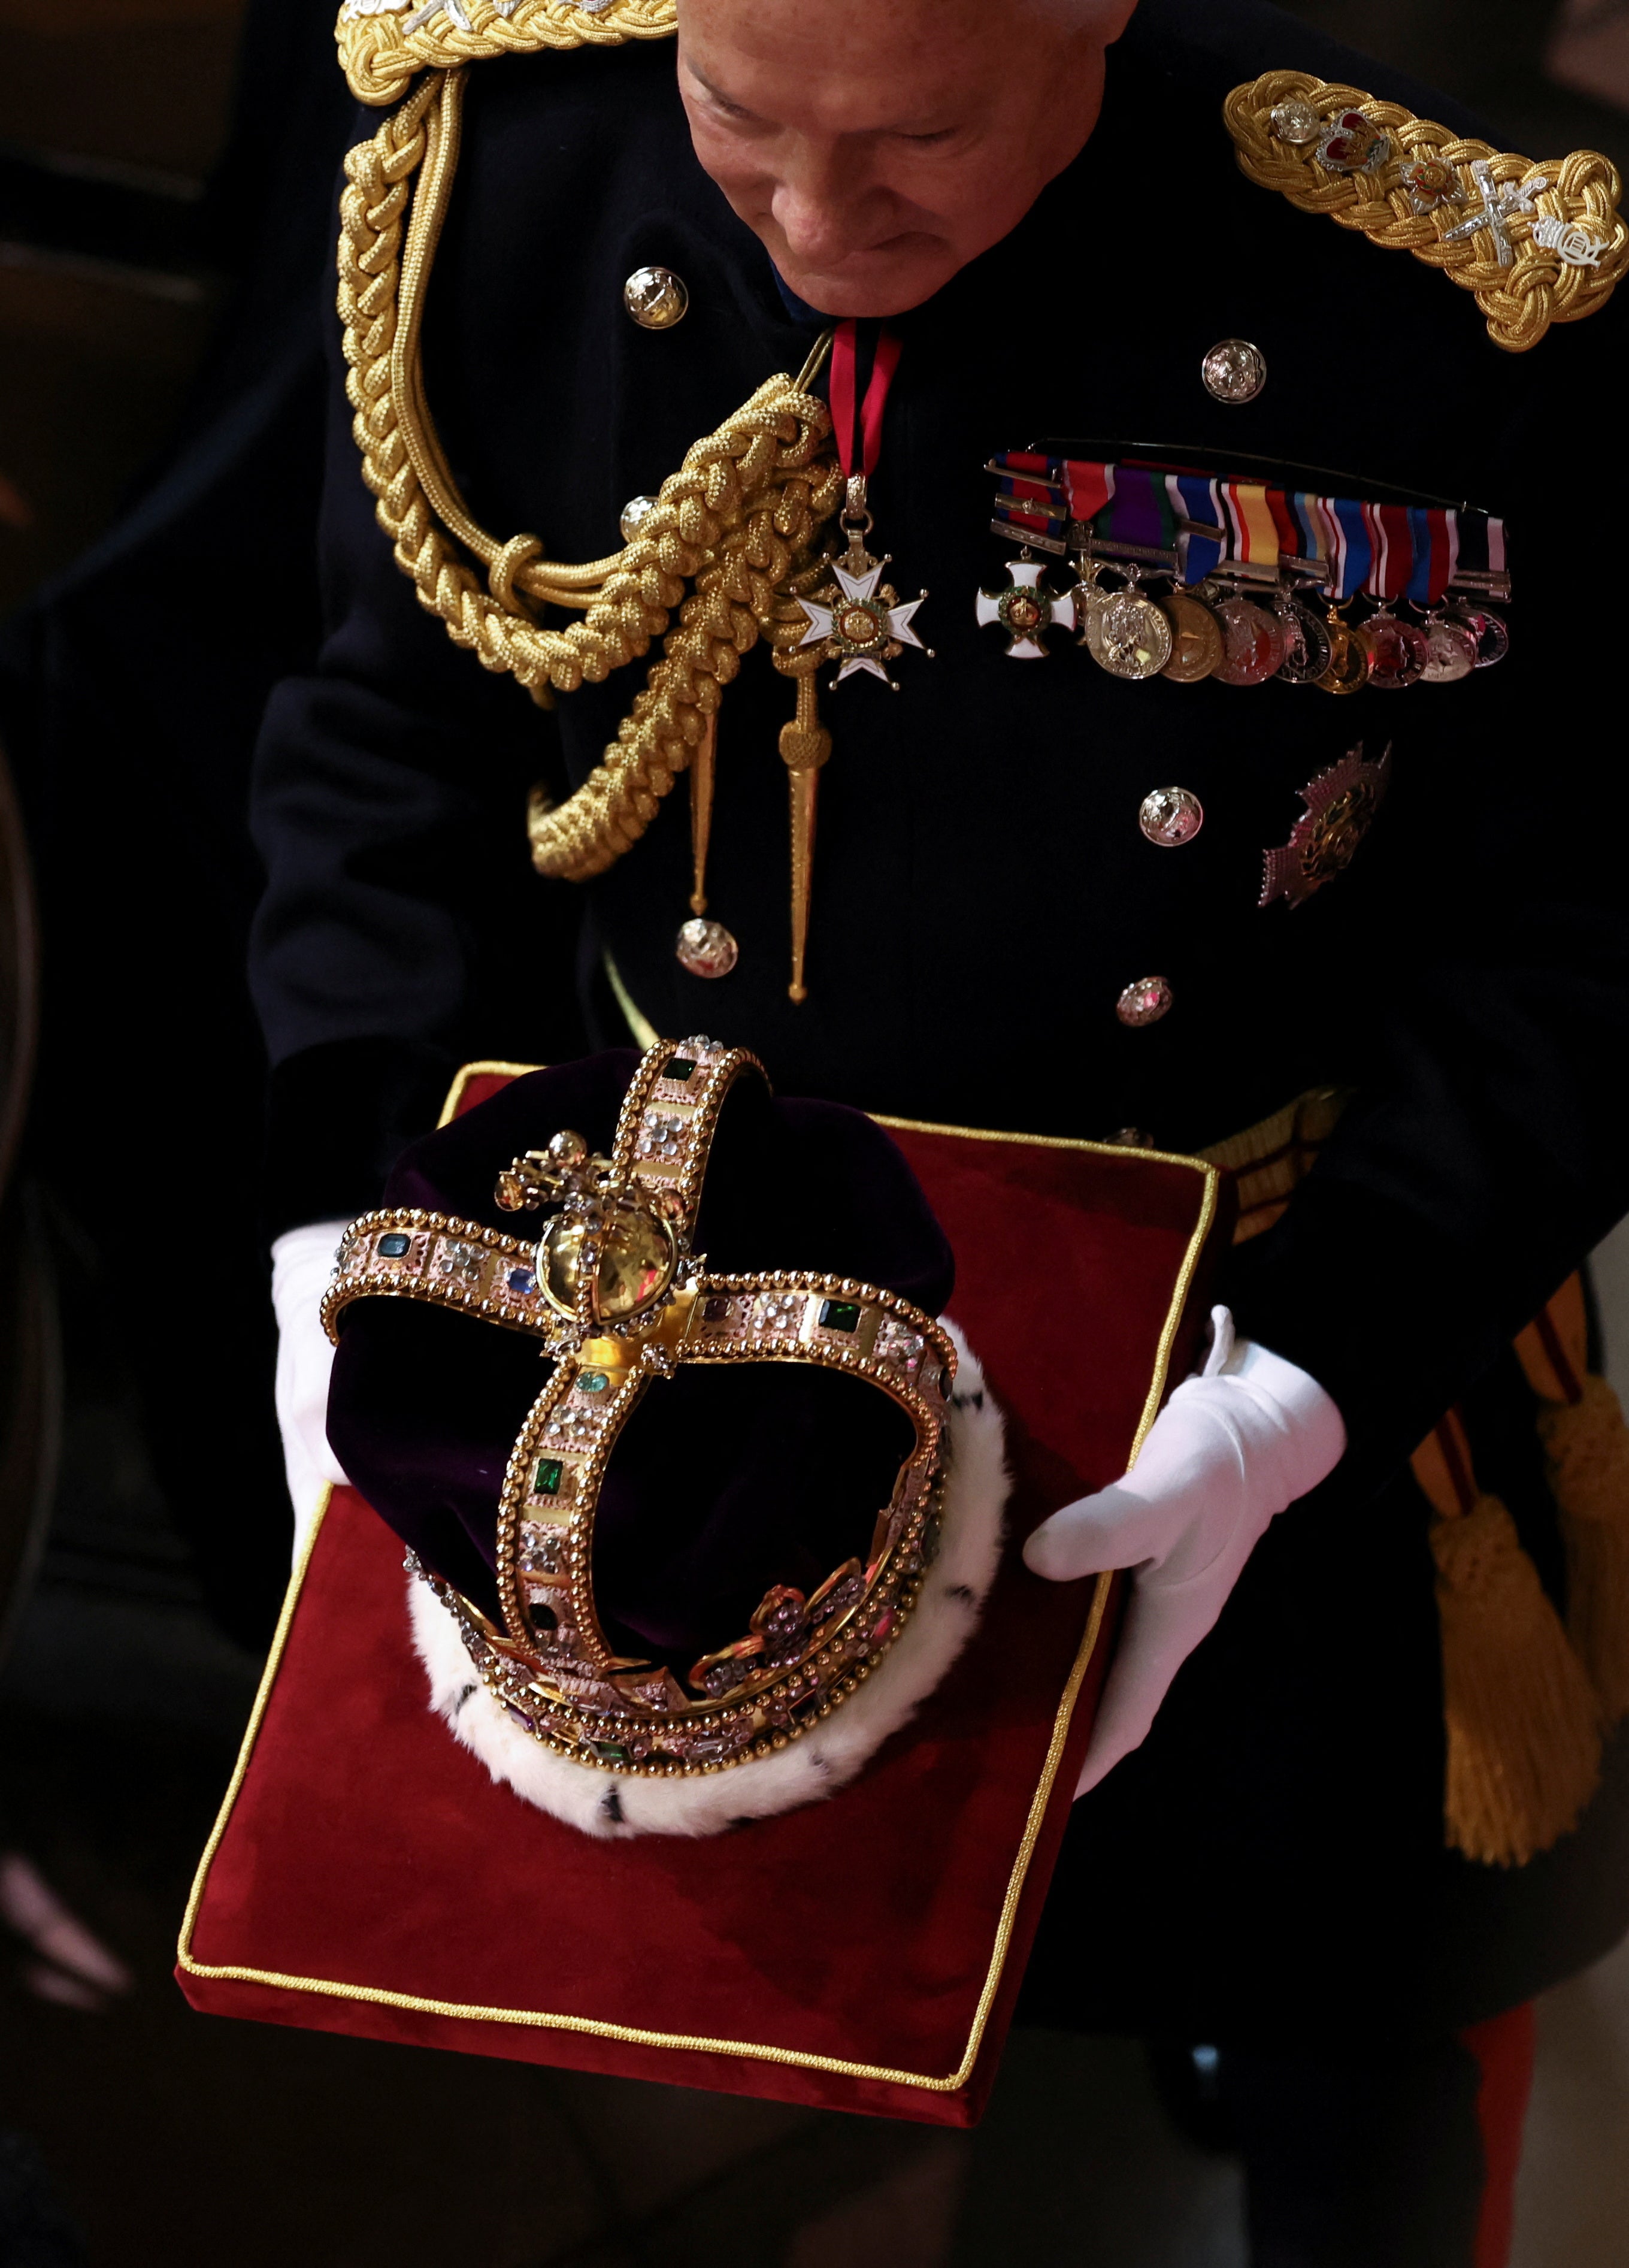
{"x": 1039, "y": 899}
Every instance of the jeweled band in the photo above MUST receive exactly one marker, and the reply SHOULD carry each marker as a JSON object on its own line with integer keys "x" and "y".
{"x": 551, "y": 1665}
{"x": 411, "y": 1254}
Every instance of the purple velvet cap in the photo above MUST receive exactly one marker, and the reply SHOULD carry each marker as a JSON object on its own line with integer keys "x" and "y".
{"x": 725, "y": 1480}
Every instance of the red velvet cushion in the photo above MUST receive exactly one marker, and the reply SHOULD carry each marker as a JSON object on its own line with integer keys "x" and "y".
{"x": 863, "y": 1953}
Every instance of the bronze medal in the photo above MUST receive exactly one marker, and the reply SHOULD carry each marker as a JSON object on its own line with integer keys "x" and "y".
{"x": 1196, "y": 638}
{"x": 1348, "y": 659}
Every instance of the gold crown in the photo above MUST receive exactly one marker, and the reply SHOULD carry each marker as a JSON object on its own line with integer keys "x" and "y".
{"x": 618, "y": 1299}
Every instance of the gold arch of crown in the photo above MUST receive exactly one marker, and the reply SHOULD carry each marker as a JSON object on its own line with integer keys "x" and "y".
{"x": 551, "y": 1666}
{"x": 1520, "y": 298}
{"x": 737, "y": 523}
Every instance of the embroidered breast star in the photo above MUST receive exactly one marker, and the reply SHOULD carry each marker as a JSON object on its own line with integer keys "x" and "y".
{"x": 1340, "y": 808}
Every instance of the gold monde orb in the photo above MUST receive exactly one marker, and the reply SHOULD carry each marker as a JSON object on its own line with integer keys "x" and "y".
{"x": 637, "y": 1254}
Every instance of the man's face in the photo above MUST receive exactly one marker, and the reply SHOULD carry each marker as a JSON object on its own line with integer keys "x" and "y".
{"x": 877, "y": 146}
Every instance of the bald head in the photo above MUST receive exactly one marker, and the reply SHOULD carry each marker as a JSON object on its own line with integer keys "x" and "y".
{"x": 877, "y": 146}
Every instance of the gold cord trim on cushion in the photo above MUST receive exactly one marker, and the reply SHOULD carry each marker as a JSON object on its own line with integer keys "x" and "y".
{"x": 380, "y": 1996}
{"x": 737, "y": 522}
{"x": 1537, "y": 244}
{"x": 383, "y": 43}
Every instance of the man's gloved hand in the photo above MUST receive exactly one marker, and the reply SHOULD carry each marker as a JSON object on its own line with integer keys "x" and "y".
{"x": 302, "y": 1263}
{"x": 1232, "y": 1448}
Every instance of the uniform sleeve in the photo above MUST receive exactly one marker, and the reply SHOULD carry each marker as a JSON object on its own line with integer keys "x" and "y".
{"x": 402, "y": 930}
{"x": 1486, "y": 1150}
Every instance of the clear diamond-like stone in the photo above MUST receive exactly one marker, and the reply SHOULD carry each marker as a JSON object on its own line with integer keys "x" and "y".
{"x": 1295, "y": 122}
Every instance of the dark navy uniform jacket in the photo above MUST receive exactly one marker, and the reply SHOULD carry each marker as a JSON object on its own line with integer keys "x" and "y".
{"x": 983, "y": 894}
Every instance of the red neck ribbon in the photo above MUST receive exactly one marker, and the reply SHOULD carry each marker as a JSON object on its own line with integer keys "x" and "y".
{"x": 865, "y": 355}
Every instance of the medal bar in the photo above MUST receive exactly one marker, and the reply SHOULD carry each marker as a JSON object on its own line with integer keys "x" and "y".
{"x": 1193, "y": 575}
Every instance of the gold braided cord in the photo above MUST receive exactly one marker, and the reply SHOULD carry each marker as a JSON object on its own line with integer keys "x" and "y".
{"x": 382, "y": 57}
{"x": 1520, "y": 301}
{"x": 738, "y": 521}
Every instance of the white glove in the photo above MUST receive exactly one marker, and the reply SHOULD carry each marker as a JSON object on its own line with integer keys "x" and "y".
{"x": 1234, "y": 1446}
{"x": 302, "y": 1263}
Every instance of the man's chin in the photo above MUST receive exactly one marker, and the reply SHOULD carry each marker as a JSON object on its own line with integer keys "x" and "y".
{"x": 877, "y": 285}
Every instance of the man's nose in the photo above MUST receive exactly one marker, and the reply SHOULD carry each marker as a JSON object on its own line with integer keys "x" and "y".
{"x": 823, "y": 204}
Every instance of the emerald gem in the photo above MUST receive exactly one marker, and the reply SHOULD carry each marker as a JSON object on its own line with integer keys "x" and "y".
{"x": 840, "y": 1315}
{"x": 394, "y": 1247}
{"x": 609, "y": 1753}
{"x": 680, "y": 1068}
{"x": 546, "y": 1481}
{"x": 592, "y": 1381}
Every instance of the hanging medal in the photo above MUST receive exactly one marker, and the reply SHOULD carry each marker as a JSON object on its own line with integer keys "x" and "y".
{"x": 1197, "y": 647}
{"x": 1480, "y": 569}
{"x": 1252, "y": 636}
{"x": 1349, "y": 553}
{"x": 857, "y": 620}
{"x": 1450, "y": 650}
{"x": 1030, "y": 505}
{"x": 1124, "y": 630}
{"x": 1307, "y": 647}
{"x": 1397, "y": 650}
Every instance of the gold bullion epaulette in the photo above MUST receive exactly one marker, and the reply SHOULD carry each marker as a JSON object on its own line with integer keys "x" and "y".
{"x": 383, "y": 43}
{"x": 1538, "y": 244}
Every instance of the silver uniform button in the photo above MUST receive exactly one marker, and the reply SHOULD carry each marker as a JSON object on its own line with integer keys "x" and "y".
{"x": 1170, "y": 816}
{"x": 635, "y": 512}
{"x": 1233, "y": 371}
{"x": 655, "y": 299}
{"x": 1145, "y": 1002}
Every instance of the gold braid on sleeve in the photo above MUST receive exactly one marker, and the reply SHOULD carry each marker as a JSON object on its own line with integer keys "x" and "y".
{"x": 737, "y": 523}
{"x": 1537, "y": 244}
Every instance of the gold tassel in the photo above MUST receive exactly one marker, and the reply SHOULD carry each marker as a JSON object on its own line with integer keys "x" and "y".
{"x": 1522, "y": 1721}
{"x": 1587, "y": 1449}
{"x": 1587, "y": 1444}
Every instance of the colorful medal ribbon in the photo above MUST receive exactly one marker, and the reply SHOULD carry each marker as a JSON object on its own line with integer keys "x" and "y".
{"x": 1480, "y": 563}
{"x": 1435, "y": 535}
{"x": 1197, "y": 500}
{"x": 857, "y": 620}
{"x": 1135, "y": 521}
{"x": 1253, "y": 529}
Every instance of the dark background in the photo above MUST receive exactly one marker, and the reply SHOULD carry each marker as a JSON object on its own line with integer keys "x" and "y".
{"x": 164, "y": 175}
